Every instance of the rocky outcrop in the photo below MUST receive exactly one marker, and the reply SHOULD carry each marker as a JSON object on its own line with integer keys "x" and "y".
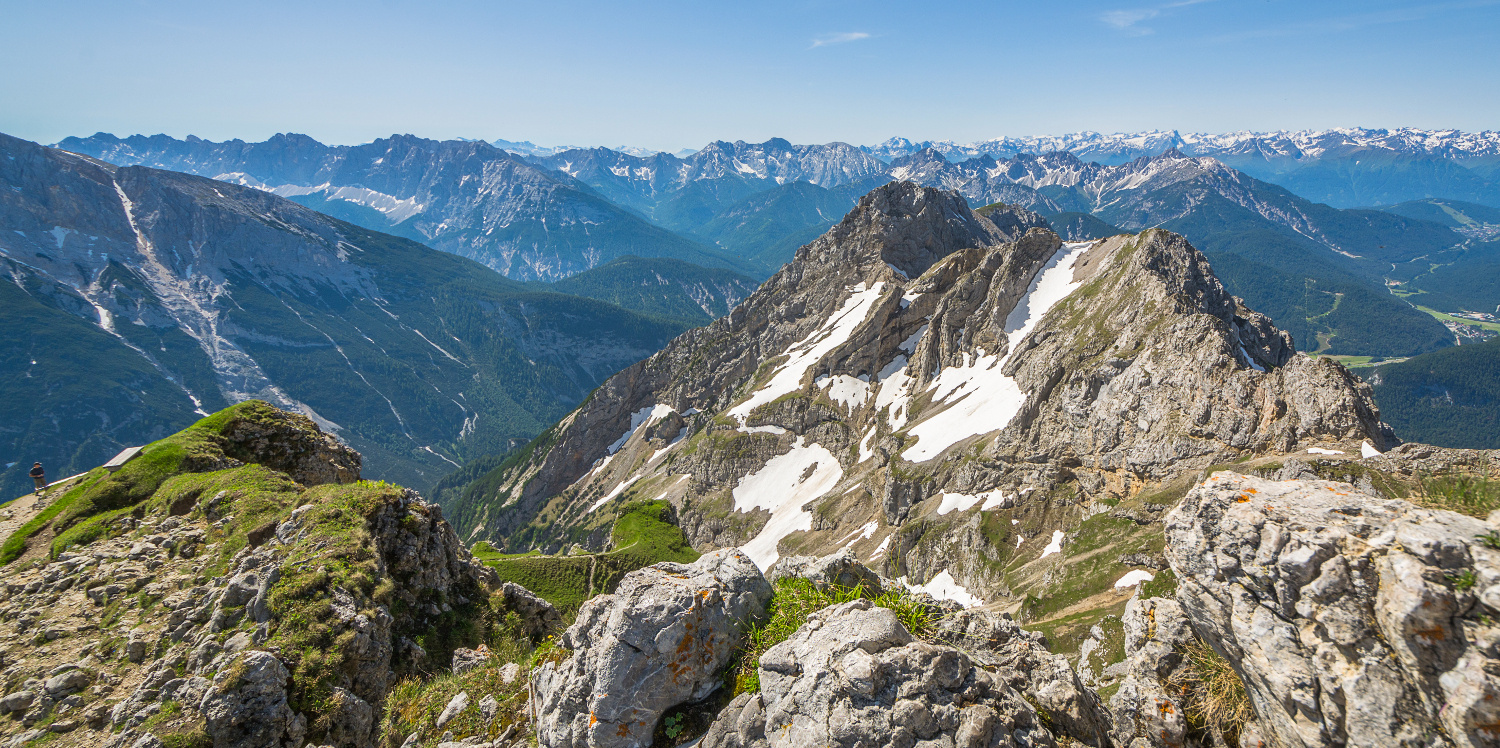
{"x": 1352, "y": 620}
{"x": 834, "y": 570}
{"x": 854, "y": 676}
{"x": 538, "y": 617}
{"x": 1021, "y": 660}
{"x": 1147, "y": 712}
{"x": 660, "y": 640}
{"x": 247, "y": 707}
{"x": 290, "y": 443}
{"x": 240, "y": 606}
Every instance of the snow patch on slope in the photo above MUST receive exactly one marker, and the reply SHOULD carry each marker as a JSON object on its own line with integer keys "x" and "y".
{"x": 982, "y": 398}
{"x": 1055, "y": 546}
{"x": 945, "y": 587}
{"x": 1134, "y": 577}
{"x": 784, "y": 486}
{"x": 807, "y": 352}
{"x": 850, "y": 392}
{"x": 643, "y": 417}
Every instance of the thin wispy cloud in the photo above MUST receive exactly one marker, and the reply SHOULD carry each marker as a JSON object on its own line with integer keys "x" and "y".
{"x": 1129, "y": 20}
{"x": 839, "y": 38}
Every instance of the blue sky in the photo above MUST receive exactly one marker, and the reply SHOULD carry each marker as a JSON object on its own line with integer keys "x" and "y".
{"x": 670, "y": 75}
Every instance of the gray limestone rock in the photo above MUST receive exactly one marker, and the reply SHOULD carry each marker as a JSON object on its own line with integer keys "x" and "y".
{"x": 465, "y": 660}
{"x": 842, "y": 569}
{"x": 1146, "y": 715}
{"x": 16, "y": 702}
{"x": 66, "y": 682}
{"x": 538, "y": 617}
{"x": 1021, "y": 660}
{"x": 662, "y": 639}
{"x": 247, "y": 706}
{"x": 1352, "y": 620}
{"x": 455, "y": 705}
{"x": 854, "y": 676}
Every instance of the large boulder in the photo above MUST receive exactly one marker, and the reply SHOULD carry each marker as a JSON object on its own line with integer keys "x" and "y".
{"x": 854, "y": 676}
{"x": 247, "y": 706}
{"x": 1351, "y": 619}
{"x": 841, "y": 569}
{"x": 662, "y": 639}
{"x": 538, "y": 617}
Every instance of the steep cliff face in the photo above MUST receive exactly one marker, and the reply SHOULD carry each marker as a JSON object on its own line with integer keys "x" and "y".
{"x": 963, "y": 399}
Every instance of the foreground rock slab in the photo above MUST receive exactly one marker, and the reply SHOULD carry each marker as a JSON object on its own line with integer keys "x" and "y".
{"x": 1352, "y": 619}
{"x": 662, "y": 639}
{"x": 853, "y": 676}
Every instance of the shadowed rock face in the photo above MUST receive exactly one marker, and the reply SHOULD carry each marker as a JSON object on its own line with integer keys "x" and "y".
{"x": 1351, "y": 619}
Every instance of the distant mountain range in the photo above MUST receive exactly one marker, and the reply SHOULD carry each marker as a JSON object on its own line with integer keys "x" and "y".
{"x": 138, "y": 299}
{"x": 464, "y": 197}
{"x": 1346, "y": 168}
{"x": 1321, "y": 272}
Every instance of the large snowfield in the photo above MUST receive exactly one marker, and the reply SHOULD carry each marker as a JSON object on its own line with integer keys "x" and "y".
{"x": 979, "y": 397}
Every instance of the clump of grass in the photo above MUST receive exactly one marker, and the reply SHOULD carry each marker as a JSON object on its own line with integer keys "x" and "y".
{"x": 643, "y": 535}
{"x": 795, "y": 600}
{"x": 1490, "y": 539}
{"x": 1462, "y": 581}
{"x": 1164, "y": 584}
{"x": 1474, "y": 495}
{"x": 413, "y": 705}
{"x": 1214, "y": 696}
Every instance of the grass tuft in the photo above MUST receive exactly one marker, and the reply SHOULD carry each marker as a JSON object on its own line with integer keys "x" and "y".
{"x": 643, "y": 535}
{"x": 795, "y": 600}
{"x": 1474, "y": 495}
{"x": 1214, "y": 696}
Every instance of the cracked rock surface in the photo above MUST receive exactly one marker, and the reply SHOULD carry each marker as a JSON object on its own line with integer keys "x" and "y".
{"x": 1352, "y": 619}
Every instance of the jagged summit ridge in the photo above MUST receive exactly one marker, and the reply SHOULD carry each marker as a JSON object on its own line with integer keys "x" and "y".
{"x": 850, "y": 403}
{"x": 911, "y": 227}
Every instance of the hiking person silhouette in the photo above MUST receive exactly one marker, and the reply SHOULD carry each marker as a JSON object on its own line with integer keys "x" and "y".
{"x": 40, "y": 476}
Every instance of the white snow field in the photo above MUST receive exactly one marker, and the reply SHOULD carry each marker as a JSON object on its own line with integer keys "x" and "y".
{"x": 980, "y": 399}
{"x": 1055, "y": 546}
{"x": 803, "y": 354}
{"x": 642, "y": 417}
{"x": 945, "y": 587}
{"x": 964, "y": 502}
{"x": 783, "y": 486}
{"x": 1134, "y": 577}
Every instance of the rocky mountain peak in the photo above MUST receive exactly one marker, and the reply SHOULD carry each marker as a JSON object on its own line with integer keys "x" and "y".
{"x": 950, "y": 393}
{"x": 910, "y": 227}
